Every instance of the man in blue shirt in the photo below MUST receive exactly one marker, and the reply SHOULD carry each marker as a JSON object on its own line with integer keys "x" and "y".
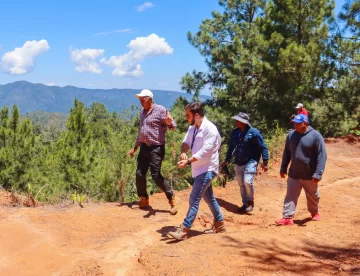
{"x": 247, "y": 145}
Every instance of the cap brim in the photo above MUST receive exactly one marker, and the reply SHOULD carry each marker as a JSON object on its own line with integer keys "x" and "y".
{"x": 237, "y": 118}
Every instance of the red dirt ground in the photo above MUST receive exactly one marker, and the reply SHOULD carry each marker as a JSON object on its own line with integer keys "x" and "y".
{"x": 113, "y": 239}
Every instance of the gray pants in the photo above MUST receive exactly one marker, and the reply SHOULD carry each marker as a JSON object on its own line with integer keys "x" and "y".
{"x": 294, "y": 187}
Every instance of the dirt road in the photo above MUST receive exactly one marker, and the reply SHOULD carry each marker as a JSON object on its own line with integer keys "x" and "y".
{"x": 113, "y": 239}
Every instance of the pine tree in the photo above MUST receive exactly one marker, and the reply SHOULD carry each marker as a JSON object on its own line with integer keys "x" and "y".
{"x": 79, "y": 152}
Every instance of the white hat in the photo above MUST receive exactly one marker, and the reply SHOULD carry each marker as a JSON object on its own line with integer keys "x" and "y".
{"x": 299, "y": 105}
{"x": 145, "y": 93}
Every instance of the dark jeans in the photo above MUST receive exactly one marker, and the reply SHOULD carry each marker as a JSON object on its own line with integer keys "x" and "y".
{"x": 151, "y": 157}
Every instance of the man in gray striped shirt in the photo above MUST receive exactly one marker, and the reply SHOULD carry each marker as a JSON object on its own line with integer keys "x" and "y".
{"x": 155, "y": 120}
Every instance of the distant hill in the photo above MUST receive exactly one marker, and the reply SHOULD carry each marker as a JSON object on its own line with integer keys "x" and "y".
{"x": 31, "y": 97}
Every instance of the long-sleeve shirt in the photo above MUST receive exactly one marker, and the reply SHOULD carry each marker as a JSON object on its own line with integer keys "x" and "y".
{"x": 307, "y": 154}
{"x": 246, "y": 146}
{"x": 204, "y": 143}
{"x": 153, "y": 128}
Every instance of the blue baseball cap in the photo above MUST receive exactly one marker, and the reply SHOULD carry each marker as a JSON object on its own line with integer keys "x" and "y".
{"x": 300, "y": 118}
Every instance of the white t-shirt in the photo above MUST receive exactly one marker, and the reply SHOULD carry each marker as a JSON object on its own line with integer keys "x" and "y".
{"x": 205, "y": 147}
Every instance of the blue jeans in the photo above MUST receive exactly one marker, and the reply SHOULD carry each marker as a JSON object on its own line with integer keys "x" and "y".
{"x": 245, "y": 176}
{"x": 202, "y": 188}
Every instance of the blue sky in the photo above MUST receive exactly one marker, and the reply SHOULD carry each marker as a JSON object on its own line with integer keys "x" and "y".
{"x": 101, "y": 44}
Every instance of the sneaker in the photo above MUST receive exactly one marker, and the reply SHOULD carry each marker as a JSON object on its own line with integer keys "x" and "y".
{"x": 285, "y": 221}
{"x": 143, "y": 203}
{"x": 181, "y": 233}
{"x": 315, "y": 217}
{"x": 250, "y": 207}
{"x": 174, "y": 204}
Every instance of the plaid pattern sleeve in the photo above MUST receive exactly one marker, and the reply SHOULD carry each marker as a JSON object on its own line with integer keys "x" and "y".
{"x": 153, "y": 129}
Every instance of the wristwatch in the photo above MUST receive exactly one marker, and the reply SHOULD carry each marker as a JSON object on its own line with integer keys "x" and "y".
{"x": 188, "y": 162}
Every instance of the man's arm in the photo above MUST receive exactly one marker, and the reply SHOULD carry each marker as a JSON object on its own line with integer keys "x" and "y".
{"x": 263, "y": 147}
{"x": 185, "y": 146}
{"x": 137, "y": 144}
{"x": 286, "y": 157}
{"x": 321, "y": 157}
{"x": 264, "y": 150}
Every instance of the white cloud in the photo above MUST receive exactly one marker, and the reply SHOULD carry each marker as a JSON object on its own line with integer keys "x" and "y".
{"x": 128, "y": 30}
{"x": 140, "y": 49}
{"x": 85, "y": 60}
{"x": 22, "y": 60}
{"x": 51, "y": 84}
{"x": 145, "y": 6}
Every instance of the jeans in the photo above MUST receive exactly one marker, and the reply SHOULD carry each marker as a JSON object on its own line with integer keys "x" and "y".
{"x": 151, "y": 157}
{"x": 245, "y": 176}
{"x": 294, "y": 187}
{"x": 202, "y": 188}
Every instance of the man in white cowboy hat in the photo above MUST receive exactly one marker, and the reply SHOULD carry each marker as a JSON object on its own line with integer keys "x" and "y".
{"x": 247, "y": 145}
{"x": 155, "y": 120}
{"x": 301, "y": 110}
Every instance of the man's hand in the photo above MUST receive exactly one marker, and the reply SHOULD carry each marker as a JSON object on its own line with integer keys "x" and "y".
{"x": 168, "y": 119}
{"x": 282, "y": 175}
{"x": 264, "y": 167}
{"x": 132, "y": 151}
{"x": 182, "y": 163}
{"x": 183, "y": 156}
{"x": 316, "y": 180}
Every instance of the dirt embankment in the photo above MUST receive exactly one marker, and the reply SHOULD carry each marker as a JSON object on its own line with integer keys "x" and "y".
{"x": 113, "y": 239}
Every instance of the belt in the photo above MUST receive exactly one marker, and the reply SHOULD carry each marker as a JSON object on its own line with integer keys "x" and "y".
{"x": 149, "y": 145}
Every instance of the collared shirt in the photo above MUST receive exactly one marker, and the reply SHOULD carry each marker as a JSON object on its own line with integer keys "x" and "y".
{"x": 246, "y": 146}
{"x": 153, "y": 128}
{"x": 204, "y": 143}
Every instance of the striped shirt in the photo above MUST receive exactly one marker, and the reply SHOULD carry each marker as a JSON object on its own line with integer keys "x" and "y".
{"x": 153, "y": 128}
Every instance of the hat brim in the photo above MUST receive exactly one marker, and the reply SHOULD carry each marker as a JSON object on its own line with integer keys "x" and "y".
{"x": 141, "y": 96}
{"x": 237, "y": 118}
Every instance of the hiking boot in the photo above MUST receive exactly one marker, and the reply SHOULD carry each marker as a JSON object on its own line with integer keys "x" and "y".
{"x": 315, "y": 217}
{"x": 181, "y": 233}
{"x": 143, "y": 203}
{"x": 174, "y": 204}
{"x": 218, "y": 227}
{"x": 242, "y": 209}
{"x": 285, "y": 221}
{"x": 250, "y": 207}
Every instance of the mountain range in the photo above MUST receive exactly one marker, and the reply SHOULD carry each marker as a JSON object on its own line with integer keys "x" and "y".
{"x": 35, "y": 96}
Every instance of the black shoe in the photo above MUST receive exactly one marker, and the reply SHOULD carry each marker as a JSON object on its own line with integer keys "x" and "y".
{"x": 242, "y": 209}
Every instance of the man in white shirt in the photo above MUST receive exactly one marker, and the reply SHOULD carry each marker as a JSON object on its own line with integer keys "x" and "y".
{"x": 203, "y": 140}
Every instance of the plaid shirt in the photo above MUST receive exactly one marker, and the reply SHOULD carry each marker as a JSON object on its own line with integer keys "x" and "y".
{"x": 153, "y": 128}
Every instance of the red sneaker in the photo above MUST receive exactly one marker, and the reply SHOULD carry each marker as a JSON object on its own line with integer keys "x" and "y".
{"x": 285, "y": 221}
{"x": 315, "y": 217}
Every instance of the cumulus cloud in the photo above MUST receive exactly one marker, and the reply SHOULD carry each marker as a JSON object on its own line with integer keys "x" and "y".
{"x": 140, "y": 49}
{"x": 145, "y": 6}
{"x": 85, "y": 60}
{"x": 128, "y": 30}
{"x": 51, "y": 84}
{"x": 22, "y": 60}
